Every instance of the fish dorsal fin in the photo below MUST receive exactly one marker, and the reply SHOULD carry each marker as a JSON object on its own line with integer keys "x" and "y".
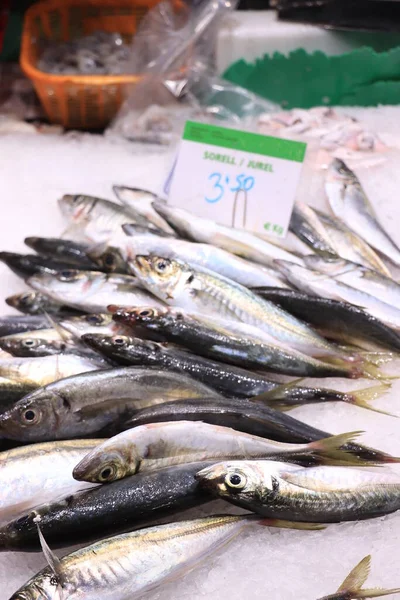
{"x": 357, "y": 576}
{"x": 52, "y": 560}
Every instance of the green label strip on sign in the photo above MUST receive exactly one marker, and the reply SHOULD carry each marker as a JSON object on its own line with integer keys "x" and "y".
{"x": 245, "y": 141}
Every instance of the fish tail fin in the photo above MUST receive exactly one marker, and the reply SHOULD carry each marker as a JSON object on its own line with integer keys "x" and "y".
{"x": 376, "y": 592}
{"x": 331, "y": 449}
{"x": 357, "y": 576}
{"x": 365, "y": 396}
{"x": 282, "y": 524}
{"x": 371, "y": 371}
{"x": 352, "y": 585}
{"x": 378, "y": 358}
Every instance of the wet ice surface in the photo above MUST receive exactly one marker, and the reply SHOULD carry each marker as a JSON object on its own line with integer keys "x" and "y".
{"x": 263, "y": 563}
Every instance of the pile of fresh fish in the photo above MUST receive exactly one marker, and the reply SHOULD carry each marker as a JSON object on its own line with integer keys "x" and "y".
{"x": 333, "y": 130}
{"x": 100, "y": 53}
{"x": 150, "y": 369}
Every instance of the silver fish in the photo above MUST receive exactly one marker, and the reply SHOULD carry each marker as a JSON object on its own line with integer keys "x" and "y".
{"x": 349, "y": 245}
{"x": 232, "y": 342}
{"x": 237, "y": 241}
{"x": 307, "y": 226}
{"x": 78, "y": 406}
{"x": 42, "y": 342}
{"x": 39, "y": 473}
{"x": 91, "y": 291}
{"x": 34, "y": 303}
{"x": 125, "y": 566}
{"x": 359, "y": 277}
{"x": 92, "y": 323}
{"x": 201, "y": 255}
{"x": 140, "y": 201}
{"x": 323, "y": 494}
{"x": 97, "y": 219}
{"x": 201, "y": 291}
{"x": 157, "y": 445}
{"x": 44, "y": 370}
{"x": 349, "y": 202}
{"x": 318, "y": 284}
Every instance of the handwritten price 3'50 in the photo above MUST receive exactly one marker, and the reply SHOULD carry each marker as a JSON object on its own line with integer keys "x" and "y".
{"x": 220, "y": 184}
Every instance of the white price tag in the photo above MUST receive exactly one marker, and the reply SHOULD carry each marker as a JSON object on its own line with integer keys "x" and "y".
{"x": 237, "y": 178}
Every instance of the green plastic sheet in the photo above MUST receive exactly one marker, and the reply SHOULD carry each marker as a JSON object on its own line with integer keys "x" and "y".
{"x": 362, "y": 77}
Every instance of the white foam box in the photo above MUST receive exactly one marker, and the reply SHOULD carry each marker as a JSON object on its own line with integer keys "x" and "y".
{"x": 263, "y": 562}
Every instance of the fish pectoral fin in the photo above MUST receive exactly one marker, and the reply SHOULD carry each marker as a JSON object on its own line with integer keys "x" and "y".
{"x": 282, "y": 524}
{"x": 65, "y": 336}
{"x": 357, "y": 576}
{"x": 74, "y": 230}
{"x": 104, "y": 406}
{"x": 52, "y": 560}
{"x": 277, "y": 393}
{"x": 235, "y": 246}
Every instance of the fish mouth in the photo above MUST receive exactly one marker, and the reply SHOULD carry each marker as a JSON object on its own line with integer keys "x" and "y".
{"x": 10, "y": 258}
{"x": 128, "y": 228}
{"x": 161, "y": 208}
{"x": 93, "y": 340}
{"x": 142, "y": 264}
{"x": 65, "y": 204}
{"x": 38, "y": 282}
{"x": 120, "y": 315}
{"x": 31, "y": 242}
{"x": 12, "y": 301}
{"x": 117, "y": 189}
{"x": 283, "y": 266}
{"x": 81, "y": 472}
{"x": 210, "y": 477}
{"x": 114, "y": 308}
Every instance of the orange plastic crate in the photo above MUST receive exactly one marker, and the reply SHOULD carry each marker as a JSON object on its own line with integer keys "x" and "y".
{"x": 78, "y": 101}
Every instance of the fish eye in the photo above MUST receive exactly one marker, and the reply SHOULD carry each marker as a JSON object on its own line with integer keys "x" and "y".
{"x": 108, "y": 473}
{"x": 109, "y": 259}
{"x": 67, "y": 275}
{"x": 161, "y": 265}
{"x": 119, "y": 341}
{"x": 29, "y": 343}
{"x": 30, "y": 416}
{"x": 94, "y": 319}
{"x": 235, "y": 480}
{"x": 146, "y": 313}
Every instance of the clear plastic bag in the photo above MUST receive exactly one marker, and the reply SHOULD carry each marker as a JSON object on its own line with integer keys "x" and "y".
{"x": 174, "y": 50}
